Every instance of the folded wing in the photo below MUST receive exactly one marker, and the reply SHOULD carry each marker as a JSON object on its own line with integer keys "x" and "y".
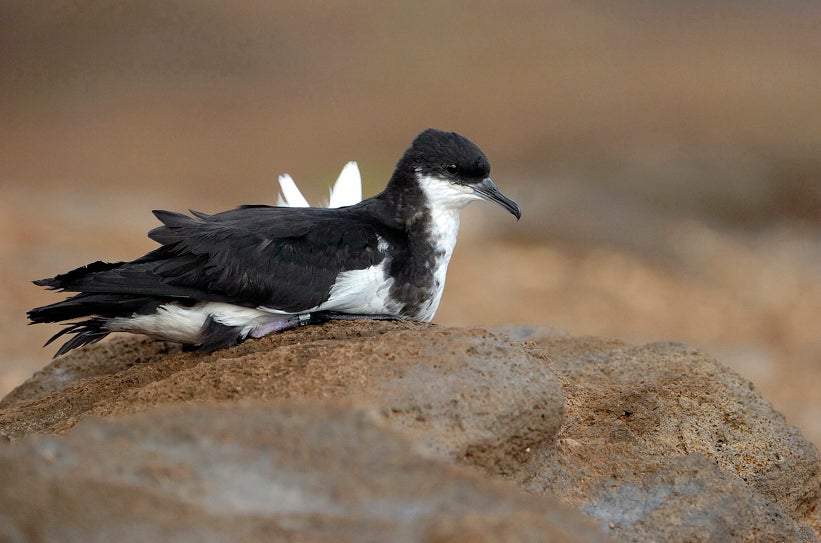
{"x": 283, "y": 258}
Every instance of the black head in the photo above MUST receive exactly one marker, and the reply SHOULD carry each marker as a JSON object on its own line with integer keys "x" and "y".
{"x": 447, "y": 154}
{"x": 455, "y": 160}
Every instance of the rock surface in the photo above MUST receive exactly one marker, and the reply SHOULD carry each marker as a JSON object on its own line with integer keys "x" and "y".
{"x": 656, "y": 442}
{"x": 661, "y": 442}
{"x": 461, "y": 392}
{"x": 314, "y": 471}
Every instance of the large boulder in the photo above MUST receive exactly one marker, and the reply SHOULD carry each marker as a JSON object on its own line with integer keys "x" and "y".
{"x": 280, "y": 471}
{"x": 654, "y": 442}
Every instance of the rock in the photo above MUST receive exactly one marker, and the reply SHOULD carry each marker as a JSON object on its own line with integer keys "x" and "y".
{"x": 274, "y": 471}
{"x": 103, "y": 360}
{"x": 656, "y": 442}
{"x": 689, "y": 498}
{"x": 660, "y": 442}
{"x": 461, "y": 392}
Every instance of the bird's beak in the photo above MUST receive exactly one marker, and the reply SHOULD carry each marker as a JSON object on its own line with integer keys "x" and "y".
{"x": 490, "y": 192}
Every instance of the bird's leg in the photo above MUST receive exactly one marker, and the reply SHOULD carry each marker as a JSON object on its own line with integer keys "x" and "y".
{"x": 281, "y": 324}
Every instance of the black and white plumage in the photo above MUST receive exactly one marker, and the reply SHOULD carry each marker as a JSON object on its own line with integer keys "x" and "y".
{"x": 218, "y": 279}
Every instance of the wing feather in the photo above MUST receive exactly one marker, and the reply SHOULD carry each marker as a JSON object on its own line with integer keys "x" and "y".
{"x": 282, "y": 258}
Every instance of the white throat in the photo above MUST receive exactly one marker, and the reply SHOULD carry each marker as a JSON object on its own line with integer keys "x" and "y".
{"x": 445, "y": 201}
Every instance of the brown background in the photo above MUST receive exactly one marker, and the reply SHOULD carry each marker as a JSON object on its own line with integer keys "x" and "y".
{"x": 667, "y": 155}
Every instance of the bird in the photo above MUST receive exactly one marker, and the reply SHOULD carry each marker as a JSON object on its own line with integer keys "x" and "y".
{"x": 217, "y": 280}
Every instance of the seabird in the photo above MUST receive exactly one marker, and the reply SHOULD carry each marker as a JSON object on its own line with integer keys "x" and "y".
{"x": 219, "y": 279}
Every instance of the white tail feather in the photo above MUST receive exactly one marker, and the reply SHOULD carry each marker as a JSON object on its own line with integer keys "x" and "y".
{"x": 346, "y": 191}
{"x": 290, "y": 196}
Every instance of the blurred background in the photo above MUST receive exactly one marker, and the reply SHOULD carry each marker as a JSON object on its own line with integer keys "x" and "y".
{"x": 667, "y": 155}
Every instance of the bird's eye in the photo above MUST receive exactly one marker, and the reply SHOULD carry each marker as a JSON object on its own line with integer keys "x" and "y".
{"x": 451, "y": 169}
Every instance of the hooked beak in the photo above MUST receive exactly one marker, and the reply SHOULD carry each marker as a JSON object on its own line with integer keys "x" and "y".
{"x": 490, "y": 192}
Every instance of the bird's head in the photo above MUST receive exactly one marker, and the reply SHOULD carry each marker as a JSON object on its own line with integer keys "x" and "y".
{"x": 452, "y": 170}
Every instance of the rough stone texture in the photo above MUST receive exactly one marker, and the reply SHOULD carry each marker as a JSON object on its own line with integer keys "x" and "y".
{"x": 688, "y": 498}
{"x": 655, "y": 443}
{"x": 662, "y": 442}
{"x": 276, "y": 471}
{"x": 462, "y": 392}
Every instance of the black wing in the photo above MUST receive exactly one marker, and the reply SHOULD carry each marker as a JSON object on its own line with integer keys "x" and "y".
{"x": 278, "y": 257}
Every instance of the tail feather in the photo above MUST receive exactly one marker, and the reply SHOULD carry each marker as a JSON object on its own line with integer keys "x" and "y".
{"x": 347, "y": 190}
{"x": 91, "y": 303}
{"x": 95, "y": 310}
{"x": 85, "y": 333}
